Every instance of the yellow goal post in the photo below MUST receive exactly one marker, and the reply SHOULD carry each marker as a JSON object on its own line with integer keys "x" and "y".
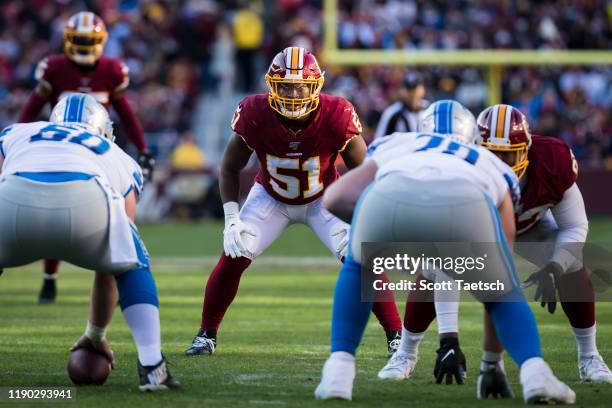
{"x": 493, "y": 60}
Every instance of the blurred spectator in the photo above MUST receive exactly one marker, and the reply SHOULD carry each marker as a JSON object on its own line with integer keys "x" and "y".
{"x": 403, "y": 115}
{"x": 187, "y": 156}
{"x": 190, "y": 180}
{"x": 248, "y": 39}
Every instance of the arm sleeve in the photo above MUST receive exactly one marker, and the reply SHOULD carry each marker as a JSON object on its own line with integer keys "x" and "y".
{"x": 129, "y": 122}
{"x": 32, "y": 108}
{"x": 570, "y": 216}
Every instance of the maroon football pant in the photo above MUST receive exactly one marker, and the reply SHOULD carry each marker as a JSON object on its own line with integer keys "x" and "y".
{"x": 51, "y": 266}
{"x": 222, "y": 287}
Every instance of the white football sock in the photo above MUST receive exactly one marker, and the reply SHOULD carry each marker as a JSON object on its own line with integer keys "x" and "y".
{"x": 410, "y": 342}
{"x": 533, "y": 366}
{"x": 586, "y": 341}
{"x": 447, "y": 305}
{"x": 341, "y": 355}
{"x": 143, "y": 320}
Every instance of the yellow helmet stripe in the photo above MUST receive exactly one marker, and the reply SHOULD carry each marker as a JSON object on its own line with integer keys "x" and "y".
{"x": 500, "y": 121}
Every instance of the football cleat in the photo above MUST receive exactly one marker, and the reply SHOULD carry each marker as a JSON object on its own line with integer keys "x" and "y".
{"x": 48, "y": 292}
{"x": 594, "y": 369}
{"x": 337, "y": 377}
{"x": 399, "y": 366}
{"x": 157, "y": 377}
{"x": 393, "y": 342}
{"x": 492, "y": 382}
{"x": 540, "y": 386}
{"x": 202, "y": 343}
{"x": 450, "y": 362}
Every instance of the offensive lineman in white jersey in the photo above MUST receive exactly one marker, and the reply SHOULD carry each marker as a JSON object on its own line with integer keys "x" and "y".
{"x": 434, "y": 187}
{"x": 68, "y": 192}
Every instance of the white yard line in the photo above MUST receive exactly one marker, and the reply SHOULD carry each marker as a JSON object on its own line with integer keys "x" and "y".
{"x": 264, "y": 262}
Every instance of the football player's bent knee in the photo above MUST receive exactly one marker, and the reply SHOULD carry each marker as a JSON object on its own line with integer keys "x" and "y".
{"x": 135, "y": 287}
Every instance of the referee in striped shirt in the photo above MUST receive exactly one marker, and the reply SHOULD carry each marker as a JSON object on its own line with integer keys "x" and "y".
{"x": 403, "y": 115}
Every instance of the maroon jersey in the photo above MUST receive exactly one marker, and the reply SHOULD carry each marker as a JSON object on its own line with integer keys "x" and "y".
{"x": 109, "y": 75}
{"x": 551, "y": 171}
{"x": 296, "y": 165}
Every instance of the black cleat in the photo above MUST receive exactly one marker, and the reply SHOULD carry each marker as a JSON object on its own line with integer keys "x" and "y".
{"x": 393, "y": 342}
{"x": 202, "y": 343}
{"x": 450, "y": 362}
{"x": 157, "y": 377}
{"x": 48, "y": 292}
{"x": 492, "y": 382}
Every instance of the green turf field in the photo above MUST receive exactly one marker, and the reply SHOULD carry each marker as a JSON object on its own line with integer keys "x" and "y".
{"x": 272, "y": 344}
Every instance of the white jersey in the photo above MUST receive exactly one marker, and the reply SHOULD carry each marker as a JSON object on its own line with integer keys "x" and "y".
{"x": 430, "y": 156}
{"x": 44, "y": 147}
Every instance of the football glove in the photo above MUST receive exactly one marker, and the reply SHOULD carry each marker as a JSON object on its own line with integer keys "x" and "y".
{"x": 547, "y": 280}
{"x": 492, "y": 382}
{"x": 147, "y": 163}
{"x": 340, "y": 240}
{"x": 233, "y": 244}
{"x": 450, "y": 362}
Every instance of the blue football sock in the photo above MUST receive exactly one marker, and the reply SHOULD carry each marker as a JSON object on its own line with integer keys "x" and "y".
{"x": 516, "y": 327}
{"x": 350, "y": 315}
{"x": 136, "y": 286}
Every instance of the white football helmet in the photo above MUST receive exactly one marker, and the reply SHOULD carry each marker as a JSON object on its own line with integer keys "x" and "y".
{"x": 449, "y": 117}
{"x": 85, "y": 110}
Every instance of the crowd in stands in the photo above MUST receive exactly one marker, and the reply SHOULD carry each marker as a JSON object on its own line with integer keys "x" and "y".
{"x": 475, "y": 24}
{"x": 178, "y": 51}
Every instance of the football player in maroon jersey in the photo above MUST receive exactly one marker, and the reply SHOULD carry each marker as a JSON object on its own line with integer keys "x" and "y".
{"x": 551, "y": 213}
{"x": 83, "y": 68}
{"x": 297, "y": 133}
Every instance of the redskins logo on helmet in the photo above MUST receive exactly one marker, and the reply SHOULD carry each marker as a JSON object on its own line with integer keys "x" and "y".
{"x": 503, "y": 128}
{"x": 84, "y": 38}
{"x": 294, "y": 81}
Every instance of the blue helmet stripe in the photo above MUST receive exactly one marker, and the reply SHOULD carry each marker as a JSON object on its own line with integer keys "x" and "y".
{"x": 443, "y": 119}
{"x": 450, "y": 117}
{"x": 80, "y": 108}
{"x": 74, "y": 108}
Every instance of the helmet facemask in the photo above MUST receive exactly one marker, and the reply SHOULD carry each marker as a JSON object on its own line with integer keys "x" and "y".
{"x": 84, "y": 48}
{"x": 520, "y": 161}
{"x": 306, "y": 98}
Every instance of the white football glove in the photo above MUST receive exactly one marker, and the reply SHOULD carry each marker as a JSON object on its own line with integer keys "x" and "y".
{"x": 233, "y": 246}
{"x": 340, "y": 240}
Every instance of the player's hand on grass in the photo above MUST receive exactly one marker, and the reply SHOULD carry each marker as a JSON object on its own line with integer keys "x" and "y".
{"x": 233, "y": 245}
{"x": 450, "y": 362}
{"x": 547, "y": 280}
{"x": 101, "y": 347}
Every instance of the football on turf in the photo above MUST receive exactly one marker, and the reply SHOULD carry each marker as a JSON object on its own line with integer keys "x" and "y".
{"x": 87, "y": 367}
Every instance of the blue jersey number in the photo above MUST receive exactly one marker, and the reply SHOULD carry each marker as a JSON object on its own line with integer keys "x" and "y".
{"x": 59, "y": 133}
{"x": 449, "y": 146}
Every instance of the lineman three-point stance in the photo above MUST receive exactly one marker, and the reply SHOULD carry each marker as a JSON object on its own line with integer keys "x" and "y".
{"x": 68, "y": 192}
{"x": 434, "y": 187}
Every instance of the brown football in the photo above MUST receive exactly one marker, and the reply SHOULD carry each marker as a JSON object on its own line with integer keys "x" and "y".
{"x": 87, "y": 367}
